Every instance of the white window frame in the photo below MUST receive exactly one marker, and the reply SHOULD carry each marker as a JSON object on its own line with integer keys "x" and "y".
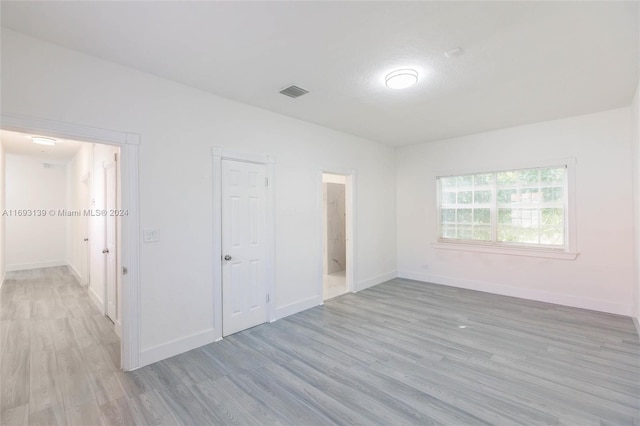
{"x": 567, "y": 252}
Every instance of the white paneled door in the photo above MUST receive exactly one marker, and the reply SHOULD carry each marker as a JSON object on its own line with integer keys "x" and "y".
{"x": 110, "y": 173}
{"x": 85, "y": 265}
{"x": 244, "y": 248}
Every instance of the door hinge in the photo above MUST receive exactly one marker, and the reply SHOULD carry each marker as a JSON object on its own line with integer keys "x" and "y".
{"x": 115, "y": 157}
{"x": 267, "y": 297}
{"x": 125, "y": 271}
{"x": 266, "y": 181}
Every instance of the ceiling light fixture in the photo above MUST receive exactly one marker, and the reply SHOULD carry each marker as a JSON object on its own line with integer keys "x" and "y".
{"x": 43, "y": 141}
{"x": 401, "y": 79}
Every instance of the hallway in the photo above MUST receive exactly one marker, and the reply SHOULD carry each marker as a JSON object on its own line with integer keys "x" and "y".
{"x": 60, "y": 355}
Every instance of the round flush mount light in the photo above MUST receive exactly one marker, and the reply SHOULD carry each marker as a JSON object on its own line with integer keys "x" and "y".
{"x": 401, "y": 79}
{"x": 43, "y": 141}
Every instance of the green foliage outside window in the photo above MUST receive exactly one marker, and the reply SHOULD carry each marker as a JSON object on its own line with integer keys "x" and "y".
{"x": 513, "y": 207}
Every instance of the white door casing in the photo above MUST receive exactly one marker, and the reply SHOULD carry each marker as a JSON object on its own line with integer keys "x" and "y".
{"x": 130, "y": 354}
{"x": 111, "y": 267}
{"x": 244, "y": 246}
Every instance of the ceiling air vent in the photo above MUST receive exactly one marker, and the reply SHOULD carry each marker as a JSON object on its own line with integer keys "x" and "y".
{"x": 293, "y": 91}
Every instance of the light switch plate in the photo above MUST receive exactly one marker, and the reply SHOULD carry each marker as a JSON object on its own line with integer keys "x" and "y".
{"x": 151, "y": 235}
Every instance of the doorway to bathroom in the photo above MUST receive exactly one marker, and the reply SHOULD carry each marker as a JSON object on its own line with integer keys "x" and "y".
{"x": 337, "y": 225}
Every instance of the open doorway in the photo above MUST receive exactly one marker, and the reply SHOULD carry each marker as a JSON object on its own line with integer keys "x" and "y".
{"x": 129, "y": 232}
{"x": 337, "y": 226}
{"x": 62, "y": 231}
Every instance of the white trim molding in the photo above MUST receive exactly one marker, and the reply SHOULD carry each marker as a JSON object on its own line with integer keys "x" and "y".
{"x": 218, "y": 155}
{"x": 25, "y": 124}
{"x": 35, "y": 265}
{"x": 96, "y": 300}
{"x": 370, "y": 282}
{"x": 74, "y": 272}
{"x": 177, "y": 346}
{"x": 247, "y": 157}
{"x": 294, "y": 308}
{"x": 509, "y": 251}
{"x": 130, "y": 244}
{"x": 522, "y": 293}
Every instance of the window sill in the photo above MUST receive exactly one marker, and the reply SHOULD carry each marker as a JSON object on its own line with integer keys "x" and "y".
{"x": 510, "y": 251}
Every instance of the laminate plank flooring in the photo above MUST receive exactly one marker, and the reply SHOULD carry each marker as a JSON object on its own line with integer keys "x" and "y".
{"x": 393, "y": 354}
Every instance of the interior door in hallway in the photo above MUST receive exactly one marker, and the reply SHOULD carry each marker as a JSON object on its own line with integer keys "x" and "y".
{"x": 244, "y": 249}
{"x": 85, "y": 254}
{"x": 110, "y": 172}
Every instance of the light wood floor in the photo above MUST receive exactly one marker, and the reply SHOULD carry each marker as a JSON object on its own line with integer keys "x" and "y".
{"x": 393, "y": 354}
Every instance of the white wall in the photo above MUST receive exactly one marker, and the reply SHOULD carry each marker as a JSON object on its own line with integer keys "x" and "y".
{"x": 635, "y": 140}
{"x": 35, "y": 241}
{"x": 2, "y": 204}
{"x": 178, "y": 126}
{"x": 600, "y": 278}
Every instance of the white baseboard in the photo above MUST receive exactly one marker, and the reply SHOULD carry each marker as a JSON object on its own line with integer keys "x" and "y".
{"x": 375, "y": 280}
{"x": 636, "y": 322}
{"x": 176, "y": 347}
{"x": 96, "y": 300}
{"x": 75, "y": 273}
{"x": 35, "y": 265}
{"x": 311, "y": 302}
{"x": 523, "y": 293}
{"x": 294, "y": 308}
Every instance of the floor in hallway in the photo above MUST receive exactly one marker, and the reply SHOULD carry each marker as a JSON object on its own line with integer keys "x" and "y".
{"x": 60, "y": 355}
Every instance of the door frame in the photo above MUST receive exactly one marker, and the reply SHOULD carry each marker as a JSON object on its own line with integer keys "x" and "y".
{"x": 218, "y": 155}
{"x": 350, "y": 206}
{"x": 130, "y": 231}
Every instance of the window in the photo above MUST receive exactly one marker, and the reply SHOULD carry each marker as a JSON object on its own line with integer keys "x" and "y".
{"x": 511, "y": 208}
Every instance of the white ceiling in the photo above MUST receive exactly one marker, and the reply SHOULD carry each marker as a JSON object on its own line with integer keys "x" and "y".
{"x": 20, "y": 143}
{"x": 524, "y": 62}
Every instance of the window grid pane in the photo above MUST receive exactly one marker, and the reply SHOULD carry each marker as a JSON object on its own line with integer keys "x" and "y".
{"x": 465, "y": 207}
{"x": 522, "y": 207}
{"x": 531, "y": 206}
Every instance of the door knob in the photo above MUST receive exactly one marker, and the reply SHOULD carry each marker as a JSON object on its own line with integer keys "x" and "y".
{"x": 227, "y": 257}
{"x": 105, "y": 250}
